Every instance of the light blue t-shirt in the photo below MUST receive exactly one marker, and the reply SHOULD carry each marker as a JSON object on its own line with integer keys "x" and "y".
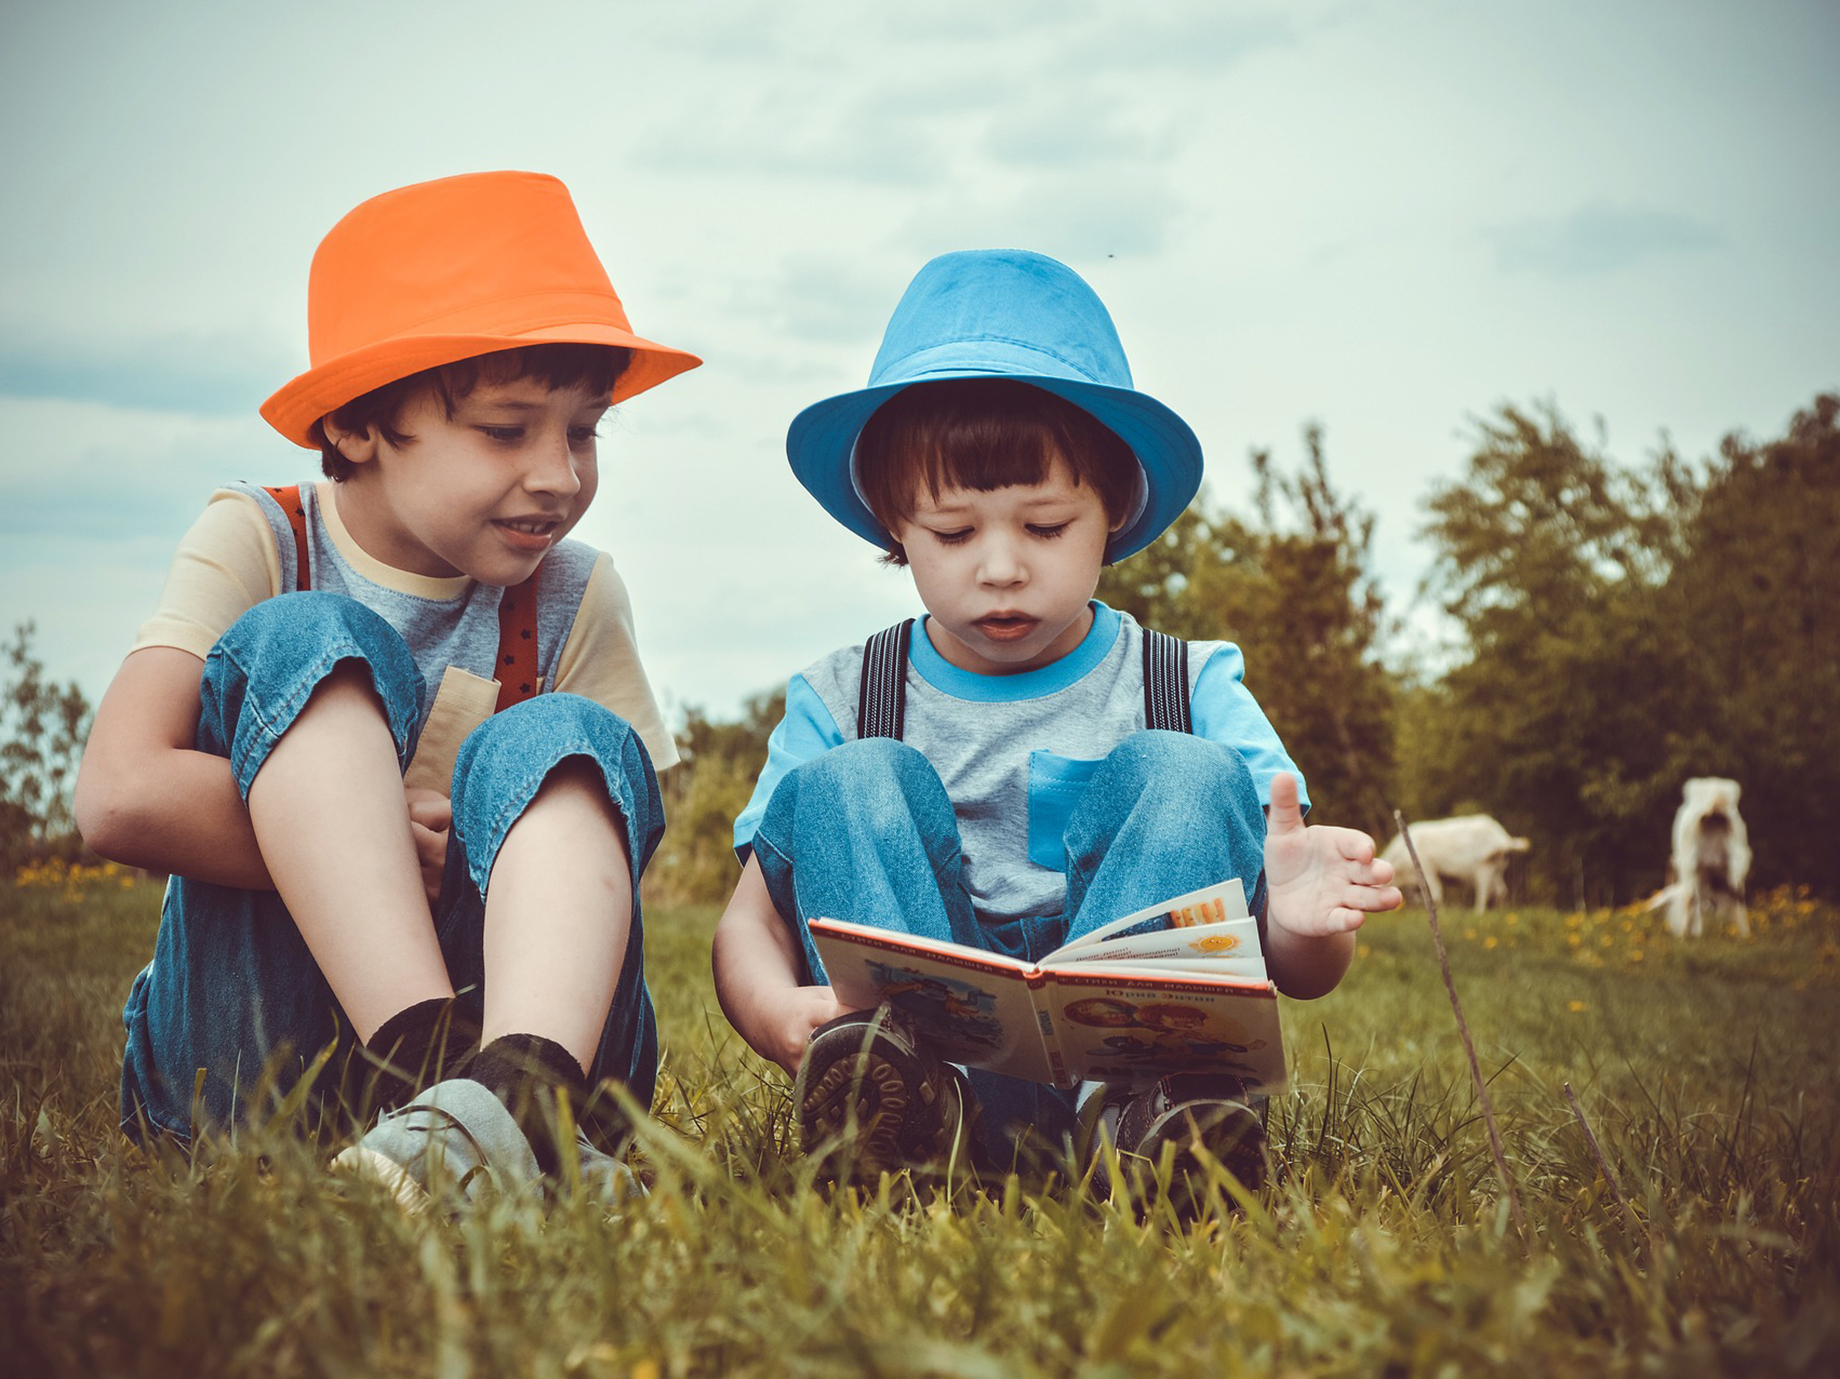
{"x": 1015, "y": 752}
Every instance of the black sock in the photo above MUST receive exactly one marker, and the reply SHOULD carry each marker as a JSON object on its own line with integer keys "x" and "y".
{"x": 527, "y": 1072}
{"x": 416, "y": 1048}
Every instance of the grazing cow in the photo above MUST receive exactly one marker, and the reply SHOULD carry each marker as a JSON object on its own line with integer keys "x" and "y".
{"x": 1470, "y": 847}
{"x": 1712, "y": 856}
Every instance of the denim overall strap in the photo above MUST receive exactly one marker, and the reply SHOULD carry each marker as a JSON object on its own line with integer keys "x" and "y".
{"x": 518, "y": 665}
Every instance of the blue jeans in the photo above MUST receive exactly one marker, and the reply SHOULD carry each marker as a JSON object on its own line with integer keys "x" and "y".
{"x": 866, "y": 833}
{"x": 233, "y": 1003}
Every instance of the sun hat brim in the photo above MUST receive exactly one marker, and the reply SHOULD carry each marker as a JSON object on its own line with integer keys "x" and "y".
{"x": 296, "y": 408}
{"x": 821, "y": 444}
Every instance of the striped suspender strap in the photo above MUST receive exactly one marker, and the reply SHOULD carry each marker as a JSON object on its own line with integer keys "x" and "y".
{"x": 296, "y": 513}
{"x": 518, "y": 666}
{"x": 881, "y": 697}
{"x": 1166, "y": 683}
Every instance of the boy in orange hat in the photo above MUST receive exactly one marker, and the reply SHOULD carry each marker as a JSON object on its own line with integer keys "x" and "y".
{"x": 360, "y": 700}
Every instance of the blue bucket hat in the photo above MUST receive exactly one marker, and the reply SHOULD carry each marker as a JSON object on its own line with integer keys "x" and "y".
{"x": 1002, "y": 313}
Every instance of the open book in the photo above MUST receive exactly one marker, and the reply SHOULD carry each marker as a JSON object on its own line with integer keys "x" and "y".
{"x": 1179, "y": 987}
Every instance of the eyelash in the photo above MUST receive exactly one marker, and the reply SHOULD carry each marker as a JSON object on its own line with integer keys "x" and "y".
{"x": 511, "y": 435}
{"x": 956, "y": 538}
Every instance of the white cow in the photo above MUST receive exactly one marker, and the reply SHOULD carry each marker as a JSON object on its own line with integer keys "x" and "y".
{"x": 1712, "y": 856}
{"x": 1471, "y": 847}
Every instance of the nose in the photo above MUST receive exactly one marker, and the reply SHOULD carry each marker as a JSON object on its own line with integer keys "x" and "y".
{"x": 552, "y": 467}
{"x": 1000, "y": 565}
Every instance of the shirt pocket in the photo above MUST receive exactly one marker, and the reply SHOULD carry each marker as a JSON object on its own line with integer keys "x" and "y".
{"x": 463, "y": 702}
{"x": 1056, "y": 785}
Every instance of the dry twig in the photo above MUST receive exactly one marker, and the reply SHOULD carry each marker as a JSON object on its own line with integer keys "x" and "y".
{"x": 1469, "y": 1047}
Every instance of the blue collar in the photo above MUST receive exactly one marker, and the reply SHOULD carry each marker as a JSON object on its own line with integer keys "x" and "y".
{"x": 942, "y": 675}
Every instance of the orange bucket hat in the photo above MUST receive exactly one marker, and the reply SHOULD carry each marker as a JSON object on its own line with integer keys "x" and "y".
{"x": 445, "y": 270}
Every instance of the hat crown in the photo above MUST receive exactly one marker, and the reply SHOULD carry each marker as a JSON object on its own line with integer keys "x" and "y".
{"x": 478, "y": 254}
{"x": 1004, "y": 312}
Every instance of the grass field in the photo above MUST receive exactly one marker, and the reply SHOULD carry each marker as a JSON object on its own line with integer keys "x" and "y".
{"x": 1386, "y": 1245}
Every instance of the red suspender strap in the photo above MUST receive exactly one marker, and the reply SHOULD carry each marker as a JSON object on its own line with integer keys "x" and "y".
{"x": 289, "y": 498}
{"x": 519, "y": 672}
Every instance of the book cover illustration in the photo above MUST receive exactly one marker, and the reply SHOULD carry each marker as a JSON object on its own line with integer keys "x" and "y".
{"x": 963, "y": 1009}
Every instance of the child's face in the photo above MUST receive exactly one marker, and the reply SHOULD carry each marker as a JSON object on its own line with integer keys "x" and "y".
{"x": 484, "y": 493}
{"x": 1007, "y": 574}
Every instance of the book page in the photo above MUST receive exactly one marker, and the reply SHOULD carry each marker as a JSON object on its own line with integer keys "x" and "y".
{"x": 1226, "y": 948}
{"x": 1127, "y": 1025}
{"x": 1225, "y": 900}
{"x": 972, "y": 1007}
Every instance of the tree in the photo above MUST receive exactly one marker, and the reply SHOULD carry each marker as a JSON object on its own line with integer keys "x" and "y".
{"x": 42, "y": 728}
{"x": 1550, "y": 558}
{"x": 1755, "y": 600}
{"x": 1298, "y": 596}
{"x": 1628, "y": 629}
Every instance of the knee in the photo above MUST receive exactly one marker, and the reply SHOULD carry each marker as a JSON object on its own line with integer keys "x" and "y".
{"x": 506, "y": 760}
{"x": 301, "y": 628}
{"x": 562, "y": 718}
{"x": 276, "y": 653}
{"x": 1177, "y": 763}
{"x": 527, "y": 740}
{"x": 883, "y": 785}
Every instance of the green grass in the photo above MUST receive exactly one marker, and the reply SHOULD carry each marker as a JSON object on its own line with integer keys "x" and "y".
{"x": 1707, "y": 1071}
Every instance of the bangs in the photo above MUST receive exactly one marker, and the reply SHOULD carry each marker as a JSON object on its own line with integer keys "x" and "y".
{"x": 983, "y": 434}
{"x": 596, "y": 367}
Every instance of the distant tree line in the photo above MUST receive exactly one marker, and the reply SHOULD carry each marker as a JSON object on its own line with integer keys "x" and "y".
{"x": 42, "y": 728}
{"x": 1618, "y": 629}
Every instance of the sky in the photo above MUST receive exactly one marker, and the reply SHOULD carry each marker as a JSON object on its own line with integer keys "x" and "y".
{"x": 1388, "y": 218}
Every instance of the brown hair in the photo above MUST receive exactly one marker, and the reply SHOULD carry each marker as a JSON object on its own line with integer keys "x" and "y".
{"x": 984, "y": 434}
{"x": 555, "y": 366}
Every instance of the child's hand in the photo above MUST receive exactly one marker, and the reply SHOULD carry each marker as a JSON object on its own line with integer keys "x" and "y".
{"x": 801, "y": 1010}
{"x": 431, "y": 814}
{"x": 1320, "y": 880}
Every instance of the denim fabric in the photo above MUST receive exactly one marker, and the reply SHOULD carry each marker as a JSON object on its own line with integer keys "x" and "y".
{"x": 866, "y": 833}
{"x": 233, "y": 992}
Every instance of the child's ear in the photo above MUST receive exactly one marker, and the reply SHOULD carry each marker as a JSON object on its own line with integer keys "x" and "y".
{"x": 359, "y": 447}
{"x": 1137, "y": 499}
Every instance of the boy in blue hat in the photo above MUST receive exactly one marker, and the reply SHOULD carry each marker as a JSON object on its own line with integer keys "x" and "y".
{"x": 1023, "y": 764}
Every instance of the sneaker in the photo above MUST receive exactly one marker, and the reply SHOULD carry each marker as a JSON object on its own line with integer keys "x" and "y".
{"x": 1195, "y": 1112}
{"x": 454, "y": 1141}
{"x": 871, "y": 1092}
{"x": 602, "y": 1177}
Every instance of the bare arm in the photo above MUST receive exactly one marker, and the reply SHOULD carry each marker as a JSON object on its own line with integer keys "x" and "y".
{"x": 758, "y": 972}
{"x": 145, "y": 796}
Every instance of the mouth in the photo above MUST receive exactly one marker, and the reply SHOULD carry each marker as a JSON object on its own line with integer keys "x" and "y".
{"x": 528, "y": 533}
{"x": 1007, "y": 627}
